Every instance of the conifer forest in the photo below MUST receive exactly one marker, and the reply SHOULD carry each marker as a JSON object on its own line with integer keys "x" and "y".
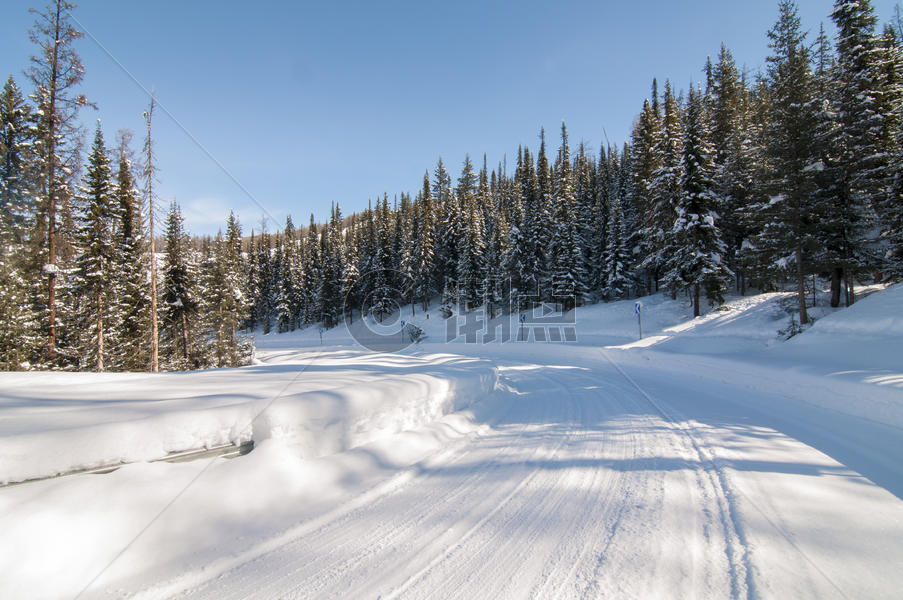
{"x": 788, "y": 178}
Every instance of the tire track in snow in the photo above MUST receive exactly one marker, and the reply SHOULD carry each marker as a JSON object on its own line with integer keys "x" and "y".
{"x": 458, "y": 544}
{"x": 737, "y": 547}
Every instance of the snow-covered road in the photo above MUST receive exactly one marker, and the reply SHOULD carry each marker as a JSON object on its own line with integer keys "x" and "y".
{"x": 710, "y": 460}
{"x": 601, "y": 480}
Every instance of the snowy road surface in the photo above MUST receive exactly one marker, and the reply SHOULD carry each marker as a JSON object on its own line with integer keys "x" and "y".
{"x": 598, "y": 482}
{"x": 707, "y": 461}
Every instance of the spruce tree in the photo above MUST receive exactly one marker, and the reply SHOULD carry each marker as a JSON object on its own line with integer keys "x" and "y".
{"x": 226, "y": 302}
{"x": 94, "y": 266}
{"x": 286, "y": 291}
{"x": 565, "y": 257}
{"x": 330, "y": 293}
{"x": 424, "y": 251}
{"x": 788, "y": 224}
{"x": 665, "y": 191}
{"x": 863, "y": 141}
{"x": 469, "y": 271}
{"x": 179, "y": 294}
{"x": 698, "y": 262}
{"x": 20, "y": 336}
{"x": 131, "y": 302}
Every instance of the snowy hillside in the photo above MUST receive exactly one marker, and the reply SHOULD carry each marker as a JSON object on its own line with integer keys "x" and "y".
{"x": 709, "y": 459}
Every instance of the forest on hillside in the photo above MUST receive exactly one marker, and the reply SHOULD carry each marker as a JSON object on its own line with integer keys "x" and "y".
{"x": 791, "y": 178}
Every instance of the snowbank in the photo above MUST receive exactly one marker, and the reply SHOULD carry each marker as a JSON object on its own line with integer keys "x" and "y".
{"x": 323, "y": 403}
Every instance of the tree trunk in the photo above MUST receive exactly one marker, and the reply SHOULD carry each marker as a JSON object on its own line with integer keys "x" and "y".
{"x": 836, "y": 282}
{"x": 99, "y": 332}
{"x": 851, "y": 295}
{"x": 51, "y": 192}
{"x": 184, "y": 336}
{"x": 801, "y": 286}
{"x": 695, "y": 299}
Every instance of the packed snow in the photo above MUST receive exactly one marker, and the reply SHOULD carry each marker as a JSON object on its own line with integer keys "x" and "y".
{"x": 712, "y": 458}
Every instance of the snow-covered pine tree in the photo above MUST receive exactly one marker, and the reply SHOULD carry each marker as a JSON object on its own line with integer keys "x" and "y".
{"x": 286, "y": 293}
{"x": 254, "y": 284}
{"x": 665, "y": 191}
{"x": 469, "y": 274}
{"x": 383, "y": 295}
{"x": 890, "y": 206}
{"x": 698, "y": 262}
{"x": 566, "y": 267}
{"x": 788, "y": 228}
{"x": 310, "y": 275}
{"x": 599, "y": 241}
{"x": 424, "y": 250}
{"x": 495, "y": 285}
{"x": 332, "y": 249}
{"x": 585, "y": 195}
{"x": 226, "y": 302}
{"x": 130, "y": 348}
{"x": 269, "y": 280}
{"x": 646, "y": 161}
{"x": 864, "y": 143}
{"x": 180, "y": 298}
{"x": 351, "y": 293}
{"x": 541, "y": 228}
{"x": 94, "y": 272}
{"x": 448, "y": 228}
{"x": 615, "y": 280}
{"x": 20, "y": 336}
{"x": 731, "y": 155}
{"x": 404, "y": 246}
{"x": 17, "y": 177}
{"x": 56, "y": 71}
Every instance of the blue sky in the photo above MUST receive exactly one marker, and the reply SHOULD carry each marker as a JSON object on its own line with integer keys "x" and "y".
{"x": 306, "y": 103}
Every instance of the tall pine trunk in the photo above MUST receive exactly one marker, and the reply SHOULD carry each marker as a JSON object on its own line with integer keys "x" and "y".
{"x": 99, "y": 331}
{"x": 695, "y": 299}
{"x": 801, "y": 286}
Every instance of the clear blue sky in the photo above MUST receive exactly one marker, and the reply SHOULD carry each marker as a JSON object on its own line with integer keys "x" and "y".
{"x": 306, "y": 103}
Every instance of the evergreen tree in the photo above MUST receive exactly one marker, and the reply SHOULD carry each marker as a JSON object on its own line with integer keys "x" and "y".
{"x": 665, "y": 190}
{"x": 226, "y": 302}
{"x": 565, "y": 256}
{"x": 130, "y": 309}
{"x": 890, "y": 206}
{"x": 56, "y": 70}
{"x": 699, "y": 259}
{"x": 469, "y": 274}
{"x": 788, "y": 221}
{"x": 286, "y": 305}
{"x": 541, "y": 228}
{"x": 20, "y": 335}
{"x": 731, "y": 156}
{"x": 94, "y": 266}
{"x": 382, "y": 295}
{"x": 424, "y": 251}
{"x": 310, "y": 275}
{"x": 333, "y": 265}
{"x": 864, "y": 143}
{"x": 180, "y": 298}
{"x": 647, "y": 160}
{"x": 350, "y": 274}
{"x": 17, "y": 185}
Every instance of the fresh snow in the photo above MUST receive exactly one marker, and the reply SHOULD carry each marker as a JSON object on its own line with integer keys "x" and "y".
{"x": 709, "y": 459}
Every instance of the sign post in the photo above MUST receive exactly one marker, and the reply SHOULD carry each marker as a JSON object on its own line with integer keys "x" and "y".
{"x": 321, "y": 335}
{"x": 402, "y": 331}
{"x": 638, "y": 310}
